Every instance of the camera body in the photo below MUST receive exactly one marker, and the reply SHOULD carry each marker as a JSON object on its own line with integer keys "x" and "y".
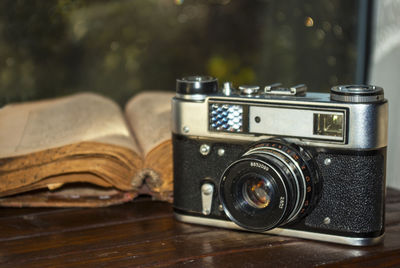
{"x": 281, "y": 160}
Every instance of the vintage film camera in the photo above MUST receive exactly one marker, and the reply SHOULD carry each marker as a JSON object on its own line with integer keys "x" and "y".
{"x": 281, "y": 160}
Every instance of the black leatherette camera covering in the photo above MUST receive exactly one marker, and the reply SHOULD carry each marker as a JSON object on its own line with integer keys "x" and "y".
{"x": 352, "y": 194}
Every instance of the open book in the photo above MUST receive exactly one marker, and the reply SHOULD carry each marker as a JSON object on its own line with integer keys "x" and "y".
{"x": 82, "y": 150}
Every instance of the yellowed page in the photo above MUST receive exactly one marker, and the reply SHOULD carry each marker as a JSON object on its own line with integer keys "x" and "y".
{"x": 36, "y": 126}
{"x": 149, "y": 115}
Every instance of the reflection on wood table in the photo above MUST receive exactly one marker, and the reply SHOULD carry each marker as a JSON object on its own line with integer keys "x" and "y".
{"x": 143, "y": 233}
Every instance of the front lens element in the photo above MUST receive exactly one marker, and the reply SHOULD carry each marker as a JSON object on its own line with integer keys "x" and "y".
{"x": 257, "y": 192}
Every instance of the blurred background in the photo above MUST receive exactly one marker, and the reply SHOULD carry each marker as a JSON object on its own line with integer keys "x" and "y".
{"x": 119, "y": 48}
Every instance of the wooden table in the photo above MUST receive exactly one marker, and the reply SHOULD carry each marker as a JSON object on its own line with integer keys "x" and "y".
{"x": 143, "y": 233}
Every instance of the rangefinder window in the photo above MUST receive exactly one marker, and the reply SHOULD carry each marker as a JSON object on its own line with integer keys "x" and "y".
{"x": 226, "y": 117}
{"x": 328, "y": 124}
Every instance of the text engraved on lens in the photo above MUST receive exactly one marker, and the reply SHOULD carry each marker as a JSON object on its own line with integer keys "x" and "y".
{"x": 256, "y": 164}
{"x": 281, "y": 202}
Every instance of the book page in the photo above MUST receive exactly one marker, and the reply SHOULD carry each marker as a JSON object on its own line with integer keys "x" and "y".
{"x": 35, "y": 126}
{"x": 149, "y": 115}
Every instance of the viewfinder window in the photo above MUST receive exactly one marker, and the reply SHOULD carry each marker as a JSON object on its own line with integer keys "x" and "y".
{"x": 328, "y": 124}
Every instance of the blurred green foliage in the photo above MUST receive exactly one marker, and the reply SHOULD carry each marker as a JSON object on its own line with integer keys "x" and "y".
{"x": 118, "y": 48}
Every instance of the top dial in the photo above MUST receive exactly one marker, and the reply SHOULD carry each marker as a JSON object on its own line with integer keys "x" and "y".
{"x": 357, "y": 93}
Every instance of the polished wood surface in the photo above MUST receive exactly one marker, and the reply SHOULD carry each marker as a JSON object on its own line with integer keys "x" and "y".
{"x": 143, "y": 233}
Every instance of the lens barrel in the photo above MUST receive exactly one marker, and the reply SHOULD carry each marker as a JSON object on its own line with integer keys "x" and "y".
{"x": 271, "y": 185}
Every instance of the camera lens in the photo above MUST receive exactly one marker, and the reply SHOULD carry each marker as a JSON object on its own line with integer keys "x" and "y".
{"x": 257, "y": 192}
{"x": 270, "y": 185}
